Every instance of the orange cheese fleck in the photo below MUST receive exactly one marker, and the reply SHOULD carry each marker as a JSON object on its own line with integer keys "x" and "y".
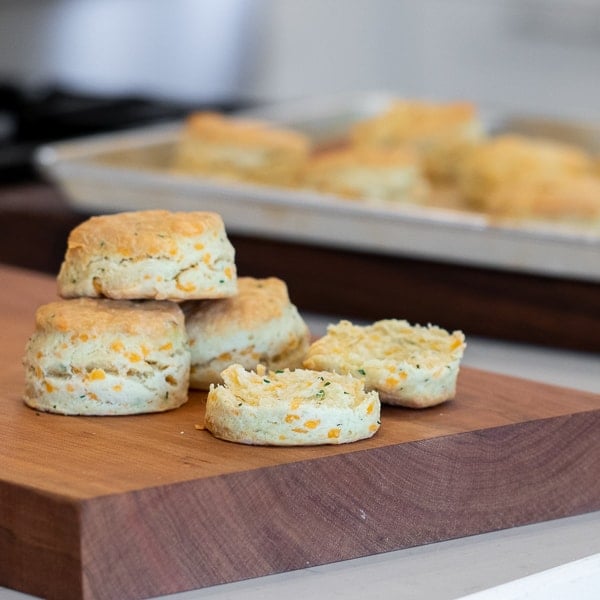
{"x": 370, "y": 408}
{"x": 49, "y": 387}
{"x": 311, "y": 424}
{"x": 455, "y": 344}
{"x": 117, "y": 346}
{"x": 166, "y": 346}
{"x": 228, "y": 272}
{"x": 96, "y": 375}
{"x": 133, "y": 357}
{"x": 333, "y": 433}
{"x": 189, "y": 287}
{"x": 290, "y": 418}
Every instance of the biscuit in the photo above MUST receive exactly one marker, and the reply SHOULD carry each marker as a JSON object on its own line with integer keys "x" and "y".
{"x": 552, "y": 198}
{"x": 507, "y": 159}
{"x": 290, "y": 408}
{"x": 154, "y": 254}
{"x": 438, "y": 131}
{"x": 367, "y": 173}
{"x": 216, "y": 146}
{"x": 258, "y": 325}
{"x": 107, "y": 357}
{"x": 410, "y": 366}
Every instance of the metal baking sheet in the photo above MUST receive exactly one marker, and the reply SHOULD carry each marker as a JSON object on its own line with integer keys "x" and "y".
{"x": 130, "y": 171}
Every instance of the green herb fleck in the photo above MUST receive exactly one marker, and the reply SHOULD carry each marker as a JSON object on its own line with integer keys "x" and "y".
{"x": 327, "y": 383}
{"x": 267, "y": 380}
{"x": 279, "y": 371}
{"x": 362, "y": 371}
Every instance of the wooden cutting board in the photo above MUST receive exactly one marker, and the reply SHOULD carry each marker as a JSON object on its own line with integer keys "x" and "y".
{"x": 132, "y": 507}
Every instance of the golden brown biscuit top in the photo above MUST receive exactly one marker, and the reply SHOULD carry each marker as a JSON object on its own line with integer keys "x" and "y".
{"x": 410, "y": 119}
{"x": 215, "y": 128}
{"x": 257, "y": 301}
{"x": 549, "y": 197}
{"x": 364, "y": 157}
{"x": 153, "y": 232}
{"x": 92, "y": 316}
{"x": 519, "y": 155}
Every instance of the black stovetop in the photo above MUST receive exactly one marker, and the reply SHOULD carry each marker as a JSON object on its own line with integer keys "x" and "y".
{"x": 29, "y": 119}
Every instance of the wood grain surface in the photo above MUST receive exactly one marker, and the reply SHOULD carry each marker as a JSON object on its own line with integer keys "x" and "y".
{"x": 133, "y": 507}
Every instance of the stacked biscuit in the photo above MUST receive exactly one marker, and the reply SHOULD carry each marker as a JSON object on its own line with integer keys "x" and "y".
{"x": 117, "y": 343}
{"x": 152, "y": 305}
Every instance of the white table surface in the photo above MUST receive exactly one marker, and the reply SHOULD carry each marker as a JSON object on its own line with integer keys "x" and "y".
{"x": 554, "y": 560}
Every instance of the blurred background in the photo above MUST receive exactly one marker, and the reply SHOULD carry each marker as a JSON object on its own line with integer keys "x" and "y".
{"x": 533, "y": 54}
{"x": 76, "y": 66}
{"x": 71, "y": 68}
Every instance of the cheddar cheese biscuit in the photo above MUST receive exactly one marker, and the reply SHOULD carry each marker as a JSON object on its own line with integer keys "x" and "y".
{"x": 409, "y": 365}
{"x": 107, "y": 357}
{"x": 438, "y": 131}
{"x": 213, "y": 145}
{"x": 367, "y": 173}
{"x": 154, "y": 254}
{"x": 258, "y": 325}
{"x": 290, "y": 408}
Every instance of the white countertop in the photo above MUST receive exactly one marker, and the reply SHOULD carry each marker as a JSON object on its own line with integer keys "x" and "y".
{"x": 554, "y": 560}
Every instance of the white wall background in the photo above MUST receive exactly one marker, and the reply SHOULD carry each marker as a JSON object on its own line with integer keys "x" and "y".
{"x": 541, "y": 55}
{"x": 535, "y": 55}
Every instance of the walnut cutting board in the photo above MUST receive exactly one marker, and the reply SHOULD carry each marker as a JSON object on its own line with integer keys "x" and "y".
{"x": 132, "y": 507}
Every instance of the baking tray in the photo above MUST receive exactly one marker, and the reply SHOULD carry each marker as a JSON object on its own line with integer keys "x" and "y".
{"x": 130, "y": 171}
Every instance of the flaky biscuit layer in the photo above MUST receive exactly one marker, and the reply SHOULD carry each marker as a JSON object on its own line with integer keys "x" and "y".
{"x": 258, "y": 325}
{"x": 155, "y": 254}
{"x": 409, "y": 365}
{"x": 290, "y": 408}
{"x": 107, "y": 357}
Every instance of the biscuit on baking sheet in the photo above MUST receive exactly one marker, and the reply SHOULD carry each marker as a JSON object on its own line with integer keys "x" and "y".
{"x": 438, "y": 131}
{"x": 409, "y": 365}
{"x": 258, "y": 325}
{"x": 367, "y": 173}
{"x": 153, "y": 254}
{"x": 290, "y": 408}
{"x": 92, "y": 356}
{"x": 508, "y": 159}
{"x": 213, "y": 145}
{"x": 569, "y": 200}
